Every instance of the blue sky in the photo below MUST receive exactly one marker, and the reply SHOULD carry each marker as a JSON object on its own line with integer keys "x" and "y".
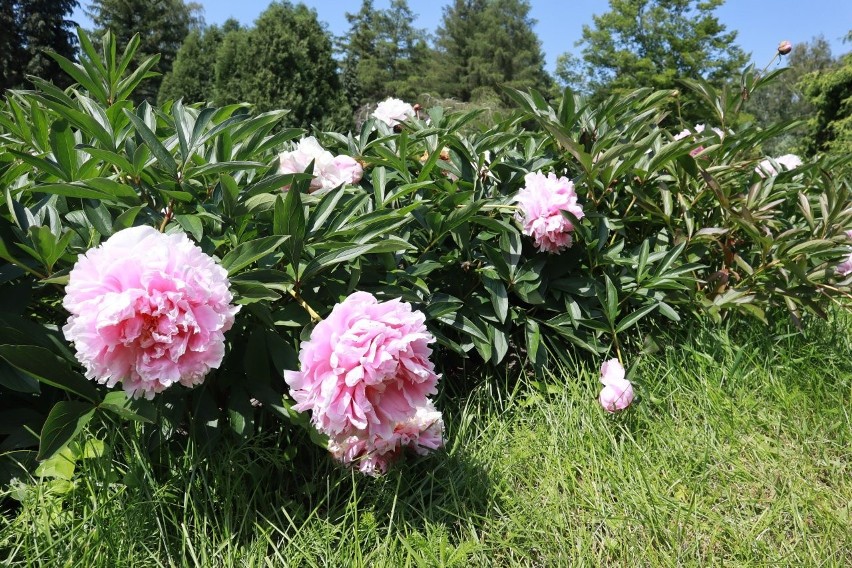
{"x": 760, "y": 24}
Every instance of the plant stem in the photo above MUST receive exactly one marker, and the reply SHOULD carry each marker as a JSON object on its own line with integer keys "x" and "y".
{"x": 301, "y": 301}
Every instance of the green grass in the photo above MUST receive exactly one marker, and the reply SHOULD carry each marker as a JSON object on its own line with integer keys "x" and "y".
{"x": 738, "y": 451}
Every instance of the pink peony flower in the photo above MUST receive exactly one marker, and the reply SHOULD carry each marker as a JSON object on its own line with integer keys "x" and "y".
{"x": 542, "y": 201}
{"x": 329, "y": 171}
{"x": 393, "y": 111}
{"x": 366, "y": 378}
{"x": 617, "y": 393}
{"x": 345, "y": 169}
{"x": 421, "y": 433}
{"x": 148, "y": 310}
{"x": 699, "y": 129}
{"x": 787, "y": 162}
{"x": 845, "y": 267}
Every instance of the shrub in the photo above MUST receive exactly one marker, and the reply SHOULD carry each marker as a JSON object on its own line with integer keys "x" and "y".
{"x": 670, "y": 229}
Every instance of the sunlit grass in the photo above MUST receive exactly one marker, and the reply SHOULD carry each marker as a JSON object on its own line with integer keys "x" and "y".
{"x": 737, "y": 451}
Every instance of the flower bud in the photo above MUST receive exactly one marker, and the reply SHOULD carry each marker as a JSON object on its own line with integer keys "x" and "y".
{"x": 785, "y": 47}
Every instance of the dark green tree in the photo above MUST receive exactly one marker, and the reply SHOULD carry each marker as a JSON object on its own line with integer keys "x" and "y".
{"x": 161, "y": 24}
{"x": 829, "y": 92}
{"x": 231, "y": 72}
{"x": 30, "y": 29}
{"x": 383, "y": 53}
{"x": 284, "y": 61}
{"x": 483, "y": 45}
{"x": 11, "y": 46}
{"x": 654, "y": 43}
{"x": 193, "y": 75}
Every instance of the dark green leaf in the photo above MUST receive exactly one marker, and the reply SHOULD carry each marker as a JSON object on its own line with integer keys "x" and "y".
{"x": 65, "y": 421}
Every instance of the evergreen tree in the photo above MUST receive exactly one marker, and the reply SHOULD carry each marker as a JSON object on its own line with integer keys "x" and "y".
{"x": 231, "y": 73}
{"x": 383, "y": 53}
{"x": 485, "y": 44}
{"x": 284, "y": 61}
{"x": 29, "y": 29}
{"x": 11, "y": 46}
{"x": 193, "y": 75}
{"x": 161, "y": 24}
{"x": 829, "y": 92}
{"x": 653, "y": 43}
{"x": 44, "y": 27}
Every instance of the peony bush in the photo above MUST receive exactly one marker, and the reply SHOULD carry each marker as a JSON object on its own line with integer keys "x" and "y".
{"x": 238, "y": 277}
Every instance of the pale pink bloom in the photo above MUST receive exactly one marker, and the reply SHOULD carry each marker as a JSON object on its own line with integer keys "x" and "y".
{"x": 845, "y": 267}
{"x": 617, "y": 393}
{"x": 421, "y": 433}
{"x": 365, "y": 376}
{"x": 392, "y": 111}
{"x": 148, "y": 310}
{"x": 329, "y": 171}
{"x": 698, "y": 129}
{"x": 683, "y": 134}
{"x": 347, "y": 169}
{"x": 849, "y": 234}
{"x": 541, "y": 202}
{"x": 787, "y": 162}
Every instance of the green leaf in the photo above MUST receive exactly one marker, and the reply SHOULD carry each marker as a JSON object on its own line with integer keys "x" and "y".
{"x": 62, "y": 144}
{"x": 289, "y": 218}
{"x": 533, "y": 333}
{"x": 499, "y": 297}
{"x": 250, "y": 251}
{"x": 160, "y": 152}
{"x": 65, "y": 421}
{"x": 138, "y": 410}
{"x": 611, "y": 300}
{"x": 100, "y": 218}
{"x": 634, "y": 317}
{"x": 47, "y": 368}
{"x": 350, "y": 252}
{"x": 192, "y": 225}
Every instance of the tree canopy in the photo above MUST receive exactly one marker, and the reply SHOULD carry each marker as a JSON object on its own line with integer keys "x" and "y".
{"x": 483, "y": 45}
{"x": 283, "y": 61}
{"x": 654, "y": 43}
{"x": 383, "y": 53}
{"x": 30, "y": 28}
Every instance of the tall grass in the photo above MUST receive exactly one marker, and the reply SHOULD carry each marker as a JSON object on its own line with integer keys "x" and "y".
{"x": 737, "y": 451}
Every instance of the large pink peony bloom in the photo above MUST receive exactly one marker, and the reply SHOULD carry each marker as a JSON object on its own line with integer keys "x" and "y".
{"x": 542, "y": 201}
{"x": 392, "y": 111}
{"x": 617, "y": 393}
{"x": 148, "y": 310}
{"x": 329, "y": 171}
{"x": 366, "y": 378}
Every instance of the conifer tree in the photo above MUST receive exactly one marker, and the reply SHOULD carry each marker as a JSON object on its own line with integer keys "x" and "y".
{"x": 383, "y": 53}
{"x": 29, "y": 29}
{"x": 484, "y": 45}
{"x": 284, "y": 61}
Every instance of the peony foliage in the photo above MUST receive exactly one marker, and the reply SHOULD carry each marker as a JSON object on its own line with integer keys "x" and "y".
{"x": 321, "y": 285}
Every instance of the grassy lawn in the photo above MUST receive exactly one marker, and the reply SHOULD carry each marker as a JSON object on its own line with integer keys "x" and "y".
{"x": 738, "y": 451}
